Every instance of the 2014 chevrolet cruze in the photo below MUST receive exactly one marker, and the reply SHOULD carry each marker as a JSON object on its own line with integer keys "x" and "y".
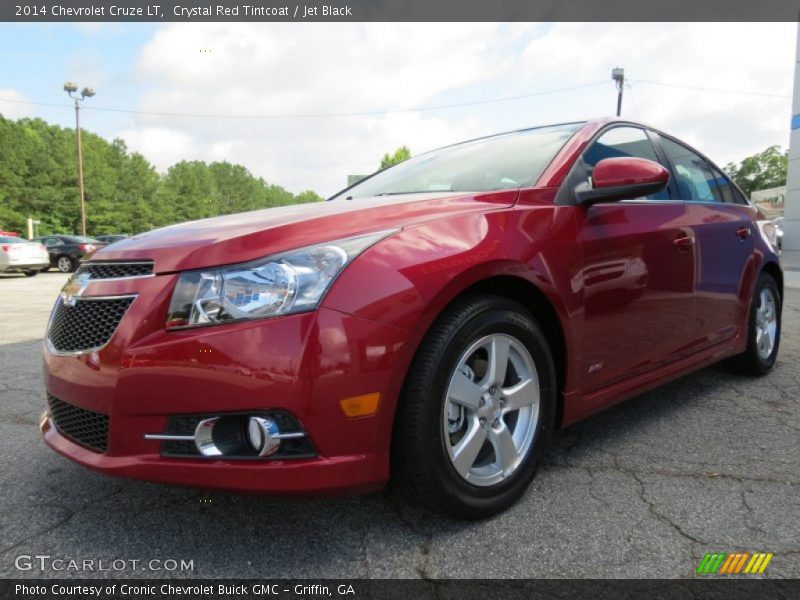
{"x": 432, "y": 323}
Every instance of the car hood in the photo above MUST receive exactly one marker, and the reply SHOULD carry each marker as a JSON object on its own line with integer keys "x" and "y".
{"x": 251, "y": 235}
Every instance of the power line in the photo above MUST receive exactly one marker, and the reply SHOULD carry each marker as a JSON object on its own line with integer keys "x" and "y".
{"x": 633, "y": 100}
{"x": 321, "y": 115}
{"x": 36, "y": 103}
{"x": 706, "y": 89}
{"x": 397, "y": 110}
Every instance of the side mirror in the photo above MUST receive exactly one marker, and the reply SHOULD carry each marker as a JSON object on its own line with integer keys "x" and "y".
{"x": 623, "y": 179}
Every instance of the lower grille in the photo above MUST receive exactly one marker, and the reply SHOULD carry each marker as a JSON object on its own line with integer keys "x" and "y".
{"x": 83, "y": 426}
{"x": 86, "y": 325}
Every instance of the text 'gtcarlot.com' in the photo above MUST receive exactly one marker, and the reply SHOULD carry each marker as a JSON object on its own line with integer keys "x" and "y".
{"x": 46, "y": 562}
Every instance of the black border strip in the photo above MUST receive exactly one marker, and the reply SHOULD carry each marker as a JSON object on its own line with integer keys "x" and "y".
{"x": 729, "y": 588}
{"x": 399, "y": 10}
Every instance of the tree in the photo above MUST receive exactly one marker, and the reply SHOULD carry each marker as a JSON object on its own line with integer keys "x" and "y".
{"x": 124, "y": 193}
{"x": 401, "y": 154}
{"x": 761, "y": 171}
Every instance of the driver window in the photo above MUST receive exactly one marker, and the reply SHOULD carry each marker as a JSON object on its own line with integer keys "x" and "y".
{"x": 623, "y": 142}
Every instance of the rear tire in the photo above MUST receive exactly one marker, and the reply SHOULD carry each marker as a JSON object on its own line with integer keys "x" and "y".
{"x": 474, "y": 454}
{"x": 31, "y": 273}
{"x": 65, "y": 264}
{"x": 763, "y": 330}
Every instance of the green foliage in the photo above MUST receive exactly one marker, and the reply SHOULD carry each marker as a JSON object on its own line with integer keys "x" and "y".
{"x": 401, "y": 154}
{"x": 761, "y": 171}
{"x": 124, "y": 193}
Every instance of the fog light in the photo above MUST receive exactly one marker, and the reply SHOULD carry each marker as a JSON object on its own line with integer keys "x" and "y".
{"x": 261, "y": 433}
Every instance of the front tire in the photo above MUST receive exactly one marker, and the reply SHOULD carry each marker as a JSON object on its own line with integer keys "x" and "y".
{"x": 476, "y": 410}
{"x": 763, "y": 330}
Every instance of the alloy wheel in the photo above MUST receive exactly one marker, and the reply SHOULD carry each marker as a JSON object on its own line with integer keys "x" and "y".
{"x": 491, "y": 410}
{"x": 766, "y": 323}
{"x": 64, "y": 264}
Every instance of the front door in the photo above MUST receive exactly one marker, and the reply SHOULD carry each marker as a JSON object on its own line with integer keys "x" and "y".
{"x": 637, "y": 275}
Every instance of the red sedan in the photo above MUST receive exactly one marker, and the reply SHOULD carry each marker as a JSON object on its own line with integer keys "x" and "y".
{"x": 432, "y": 324}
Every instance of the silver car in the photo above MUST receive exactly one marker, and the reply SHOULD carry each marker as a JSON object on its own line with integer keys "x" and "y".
{"x": 21, "y": 255}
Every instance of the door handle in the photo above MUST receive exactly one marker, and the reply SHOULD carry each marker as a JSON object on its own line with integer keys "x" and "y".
{"x": 743, "y": 232}
{"x": 683, "y": 241}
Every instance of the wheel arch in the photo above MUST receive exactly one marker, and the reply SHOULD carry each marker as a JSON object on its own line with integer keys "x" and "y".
{"x": 773, "y": 269}
{"x": 533, "y": 299}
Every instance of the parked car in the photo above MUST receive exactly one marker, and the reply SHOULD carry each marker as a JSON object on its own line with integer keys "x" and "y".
{"x": 18, "y": 255}
{"x": 432, "y": 324}
{"x": 66, "y": 251}
{"x": 111, "y": 238}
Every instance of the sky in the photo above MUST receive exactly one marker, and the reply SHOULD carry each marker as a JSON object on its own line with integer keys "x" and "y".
{"x": 279, "y": 98}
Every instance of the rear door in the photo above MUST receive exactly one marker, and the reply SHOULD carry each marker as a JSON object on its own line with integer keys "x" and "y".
{"x": 637, "y": 274}
{"x": 722, "y": 222}
{"x": 53, "y": 246}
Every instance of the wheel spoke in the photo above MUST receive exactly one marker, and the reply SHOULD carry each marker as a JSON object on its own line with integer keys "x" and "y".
{"x": 466, "y": 451}
{"x": 498, "y": 349}
{"x": 464, "y": 391}
{"x": 504, "y": 448}
{"x": 521, "y": 394}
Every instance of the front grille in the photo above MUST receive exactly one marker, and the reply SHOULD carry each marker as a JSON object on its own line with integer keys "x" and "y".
{"x": 83, "y": 426}
{"x": 115, "y": 270}
{"x": 86, "y": 325}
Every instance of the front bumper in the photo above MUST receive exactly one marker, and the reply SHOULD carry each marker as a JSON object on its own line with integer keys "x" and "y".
{"x": 303, "y": 364}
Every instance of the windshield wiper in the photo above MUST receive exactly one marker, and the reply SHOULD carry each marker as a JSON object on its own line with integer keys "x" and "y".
{"x": 401, "y": 193}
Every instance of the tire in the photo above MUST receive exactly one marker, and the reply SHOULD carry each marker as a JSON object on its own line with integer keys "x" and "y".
{"x": 65, "y": 264}
{"x": 761, "y": 352}
{"x": 31, "y": 273}
{"x": 430, "y": 427}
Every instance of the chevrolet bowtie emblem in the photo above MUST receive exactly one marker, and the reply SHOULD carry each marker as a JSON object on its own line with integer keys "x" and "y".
{"x": 75, "y": 287}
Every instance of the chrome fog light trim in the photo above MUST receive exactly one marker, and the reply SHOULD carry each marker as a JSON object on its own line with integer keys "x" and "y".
{"x": 236, "y": 436}
{"x": 203, "y": 437}
{"x": 261, "y": 433}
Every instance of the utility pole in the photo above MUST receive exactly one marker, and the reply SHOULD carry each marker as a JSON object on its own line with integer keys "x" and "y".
{"x": 618, "y": 75}
{"x": 86, "y": 92}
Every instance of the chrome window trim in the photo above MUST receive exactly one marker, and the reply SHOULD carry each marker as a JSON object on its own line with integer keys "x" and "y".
{"x": 55, "y": 352}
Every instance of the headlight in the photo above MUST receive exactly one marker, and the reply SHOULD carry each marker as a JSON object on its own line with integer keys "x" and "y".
{"x": 277, "y": 285}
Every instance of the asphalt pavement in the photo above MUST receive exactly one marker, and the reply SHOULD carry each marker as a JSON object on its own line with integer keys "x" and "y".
{"x": 709, "y": 463}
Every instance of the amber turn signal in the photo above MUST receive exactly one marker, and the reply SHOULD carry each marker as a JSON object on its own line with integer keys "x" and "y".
{"x": 361, "y": 406}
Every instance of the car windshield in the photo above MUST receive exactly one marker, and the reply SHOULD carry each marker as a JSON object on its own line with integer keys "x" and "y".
{"x": 500, "y": 162}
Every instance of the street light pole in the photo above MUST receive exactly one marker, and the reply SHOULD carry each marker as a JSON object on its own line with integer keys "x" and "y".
{"x": 86, "y": 92}
{"x": 618, "y": 75}
{"x": 80, "y": 165}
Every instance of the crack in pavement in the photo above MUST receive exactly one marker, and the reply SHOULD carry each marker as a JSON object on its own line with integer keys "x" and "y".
{"x": 423, "y": 553}
{"x": 71, "y": 513}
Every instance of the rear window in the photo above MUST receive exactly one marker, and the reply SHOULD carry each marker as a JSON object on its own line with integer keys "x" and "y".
{"x": 78, "y": 239}
{"x": 7, "y": 239}
{"x": 500, "y": 162}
